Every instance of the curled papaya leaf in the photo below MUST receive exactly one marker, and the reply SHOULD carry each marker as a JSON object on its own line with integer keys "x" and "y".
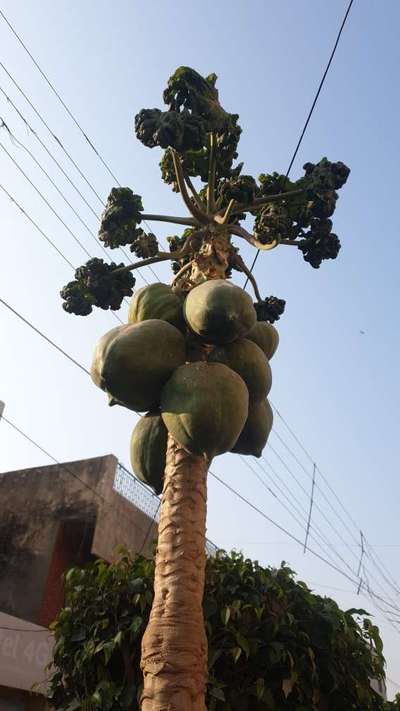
{"x": 97, "y": 284}
{"x": 120, "y": 218}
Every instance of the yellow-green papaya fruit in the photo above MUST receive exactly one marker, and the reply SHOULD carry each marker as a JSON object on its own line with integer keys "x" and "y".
{"x": 157, "y": 301}
{"x": 132, "y": 363}
{"x": 266, "y": 336}
{"x": 255, "y": 433}
{"x": 248, "y": 360}
{"x": 149, "y": 449}
{"x": 204, "y": 406}
{"x": 219, "y": 311}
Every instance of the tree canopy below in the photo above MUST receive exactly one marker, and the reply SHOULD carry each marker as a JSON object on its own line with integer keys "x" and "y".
{"x": 273, "y": 644}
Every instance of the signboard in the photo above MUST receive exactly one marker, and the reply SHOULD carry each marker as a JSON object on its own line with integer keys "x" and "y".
{"x": 25, "y": 650}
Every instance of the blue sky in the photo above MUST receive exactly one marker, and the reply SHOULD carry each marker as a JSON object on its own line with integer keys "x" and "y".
{"x": 337, "y": 387}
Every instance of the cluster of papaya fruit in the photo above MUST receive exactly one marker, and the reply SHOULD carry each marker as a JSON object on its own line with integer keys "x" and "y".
{"x": 199, "y": 364}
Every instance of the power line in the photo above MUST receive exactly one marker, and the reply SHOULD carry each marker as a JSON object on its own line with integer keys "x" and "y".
{"x": 39, "y": 229}
{"x": 60, "y": 167}
{"x": 325, "y": 546}
{"x": 293, "y": 537}
{"x": 54, "y": 90}
{"x": 329, "y": 548}
{"x": 326, "y": 482}
{"x": 311, "y": 111}
{"x": 73, "y": 360}
{"x": 51, "y": 208}
{"x": 58, "y": 141}
{"x": 43, "y": 335}
{"x": 53, "y": 183}
{"x": 223, "y": 483}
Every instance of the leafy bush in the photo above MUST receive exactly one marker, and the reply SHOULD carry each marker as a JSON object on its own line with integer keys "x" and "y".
{"x": 273, "y": 644}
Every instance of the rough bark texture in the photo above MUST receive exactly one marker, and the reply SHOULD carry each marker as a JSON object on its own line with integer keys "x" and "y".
{"x": 174, "y": 646}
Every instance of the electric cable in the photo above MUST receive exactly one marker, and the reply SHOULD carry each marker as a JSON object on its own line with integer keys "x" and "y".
{"x": 311, "y": 111}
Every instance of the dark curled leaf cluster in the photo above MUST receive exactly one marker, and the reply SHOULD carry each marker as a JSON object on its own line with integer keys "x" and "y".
{"x": 325, "y": 175}
{"x": 194, "y": 111}
{"x": 175, "y": 243}
{"x": 242, "y": 188}
{"x": 120, "y": 218}
{"x": 274, "y": 183}
{"x": 272, "y": 642}
{"x": 270, "y": 309}
{"x": 144, "y": 244}
{"x": 273, "y": 223}
{"x": 182, "y": 131}
{"x": 97, "y": 284}
{"x": 320, "y": 243}
{"x": 188, "y": 91}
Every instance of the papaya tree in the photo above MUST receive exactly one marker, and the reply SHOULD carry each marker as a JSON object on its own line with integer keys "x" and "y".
{"x": 195, "y": 354}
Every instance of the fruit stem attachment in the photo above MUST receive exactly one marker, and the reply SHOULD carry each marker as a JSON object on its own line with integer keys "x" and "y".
{"x": 194, "y": 210}
{"x": 238, "y": 262}
{"x": 196, "y": 196}
{"x": 212, "y": 169}
{"x": 223, "y": 219}
{"x": 181, "y": 272}
{"x": 241, "y": 232}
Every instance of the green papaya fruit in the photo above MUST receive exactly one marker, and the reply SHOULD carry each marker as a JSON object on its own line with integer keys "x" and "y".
{"x": 248, "y": 360}
{"x": 255, "y": 433}
{"x": 266, "y": 336}
{"x": 157, "y": 301}
{"x": 132, "y": 363}
{"x": 219, "y": 311}
{"x": 204, "y": 406}
{"x": 149, "y": 449}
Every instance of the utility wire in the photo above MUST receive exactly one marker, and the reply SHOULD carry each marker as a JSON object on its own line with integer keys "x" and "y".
{"x": 329, "y": 523}
{"x": 311, "y": 111}
{"x": 325, "y": 546}
{"x": 46, "y": 125}
{"x": 73, "y": 360}
{"x": 330, "y": 549}
{"x": 292, "y": 536}
{"x": 51, "y": 208}
{"x": 60, "y": 167}
{"x": 13, "y": 138}
{"x": 59, "y": 142}
{"x": 65, "y": 354}
{"x": 329, "y": 487}
{"x": 223, "y": 483}
{"x": 39, "y": 229}
{"x": 54, "y": 90}
{"x": 43, "y": 335}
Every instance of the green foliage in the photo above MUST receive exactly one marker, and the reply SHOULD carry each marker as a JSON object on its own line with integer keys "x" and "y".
{"x": 270, "y": 309}
{"x": 144, "y": 245}
{"x": 97, "y": 284}
{"x": 273, "y": 644}
{"x": 194, "y": 111}
{"x": 291, "y": 218}
{"x": 182, "y": 131}
{"x": 205, "y": 138}
{"x": 120, "y": 218}
{"x": 175, "y": 244}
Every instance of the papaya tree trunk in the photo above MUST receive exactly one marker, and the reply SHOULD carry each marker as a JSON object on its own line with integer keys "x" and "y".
{"x": 174, "y": 646}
